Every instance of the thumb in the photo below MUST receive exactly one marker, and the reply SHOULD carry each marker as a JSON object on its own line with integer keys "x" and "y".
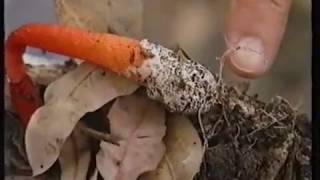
{"x": 255, "y": 29}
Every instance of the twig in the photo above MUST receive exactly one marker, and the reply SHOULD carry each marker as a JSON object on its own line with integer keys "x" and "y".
{"x": 98, "y": 135}
{"x": 275, "y": 120}
{"x": 238, "y": 132}
{"x": 267, "y": 126}
{"x": 237, "y": 135}
{"x": 170, "y": 167}
{"x": 216, "y": 125}
{"x": 205, "y": 140}
{"x": 222, "y": 59}
{"x": 184, "y": 53}
{"x": 251, "y": 146}
{"x": 225, "y": 115}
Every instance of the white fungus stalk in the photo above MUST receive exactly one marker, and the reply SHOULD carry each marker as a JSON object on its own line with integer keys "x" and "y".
{"x": 183, "y": 85}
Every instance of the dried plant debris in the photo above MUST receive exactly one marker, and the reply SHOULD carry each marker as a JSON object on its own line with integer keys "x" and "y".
{"x": 139, "y": 123}
{"x": 250, "y": 139}
{"x": 184, "y": 152}
{"x": 247, "y": 138}
{"x": 74, "y": 158}
{"x": 51, "y": 124}
{"x": 46, "y": 74}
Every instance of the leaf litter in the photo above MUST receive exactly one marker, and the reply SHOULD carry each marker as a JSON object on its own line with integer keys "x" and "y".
{"x": 251, "y": 139}
{"x": 184, "y": 151}
{"x": 247, "y": 139}
{"x": 75, "y": 156}
{"x": 140, "y": 123}
{"x": 52, "y": 123}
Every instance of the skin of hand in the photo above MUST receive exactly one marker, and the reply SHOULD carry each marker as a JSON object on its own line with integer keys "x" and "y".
{"x": 253, "y": 33}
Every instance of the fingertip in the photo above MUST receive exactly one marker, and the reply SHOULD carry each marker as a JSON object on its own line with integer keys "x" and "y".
{"x": 263, "y": 21}
{"x": 244, "y": 73}
{"x": 248, "y": 60}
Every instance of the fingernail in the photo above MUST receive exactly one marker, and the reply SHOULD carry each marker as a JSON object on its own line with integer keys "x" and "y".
{"x": 248, "y": 59}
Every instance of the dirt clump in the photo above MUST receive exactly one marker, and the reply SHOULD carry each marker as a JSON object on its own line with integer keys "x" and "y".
{"x": 251, "y": 139}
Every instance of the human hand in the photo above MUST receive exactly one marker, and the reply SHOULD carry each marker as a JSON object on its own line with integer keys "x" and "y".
{"x": 254, "y": 31}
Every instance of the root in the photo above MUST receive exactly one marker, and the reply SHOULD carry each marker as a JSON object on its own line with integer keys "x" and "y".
{"x": 98, "y": 135}
{"x": 205, "y": 139}
{"x": 170, "y": 167}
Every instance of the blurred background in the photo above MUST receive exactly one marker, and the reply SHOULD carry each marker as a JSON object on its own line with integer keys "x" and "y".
{"x": 197, "y": 26}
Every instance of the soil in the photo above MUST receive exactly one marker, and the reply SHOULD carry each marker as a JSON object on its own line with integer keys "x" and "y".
{"x": 246, "y": 139}
{"x": 250, "y": 139}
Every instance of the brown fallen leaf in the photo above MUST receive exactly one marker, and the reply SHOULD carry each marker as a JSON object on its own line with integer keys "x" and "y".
{"x": 140, "y": 123}
{"x": 75, "y": 156}
{"x": 183, "y": 152}
{"x": 123, "y": 17}
{"x": 82, "y": 90}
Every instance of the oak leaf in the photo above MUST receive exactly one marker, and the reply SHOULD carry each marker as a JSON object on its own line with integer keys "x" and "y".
{"x": 67, "y": 99}
{"x": 75, "y": 156}
{"x": 184, "y": 152}
{"x": 140, "y": 123}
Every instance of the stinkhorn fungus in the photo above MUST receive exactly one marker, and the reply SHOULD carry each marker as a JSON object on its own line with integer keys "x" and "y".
{"x": 182, "y": 85}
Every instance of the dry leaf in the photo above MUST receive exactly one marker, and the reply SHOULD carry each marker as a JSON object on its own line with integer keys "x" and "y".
{"x": 82, "y": 90}
{"x": 184, "y": 152}
{"x": 123, "y": 17}
{"x": 140, "y": 123}
{"x": 75, "y": 156}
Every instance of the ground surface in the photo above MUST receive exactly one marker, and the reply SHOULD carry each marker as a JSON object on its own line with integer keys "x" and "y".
{"x": 246, "y": 139}
{"x": 250, "y": 139}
